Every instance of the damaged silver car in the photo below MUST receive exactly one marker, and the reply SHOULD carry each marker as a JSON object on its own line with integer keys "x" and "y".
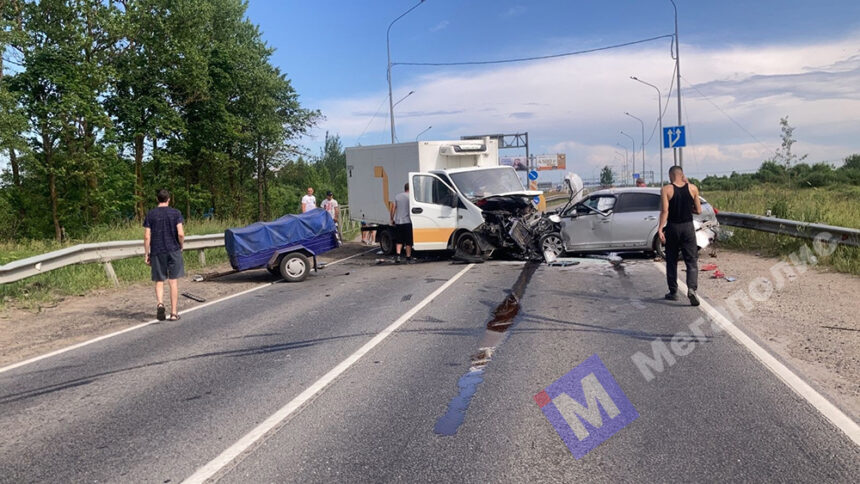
{"x": 618, "y": 220}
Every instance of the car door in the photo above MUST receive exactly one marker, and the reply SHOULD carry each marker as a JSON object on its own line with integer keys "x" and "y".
{"x": 433, "y": 210}
{"x": 634, "y": 219}
{"x": 588, "y": 224}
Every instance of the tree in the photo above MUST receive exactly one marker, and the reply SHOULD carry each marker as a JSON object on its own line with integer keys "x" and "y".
{"x": 607, "y": 178}
{"x": 784, "y": 156}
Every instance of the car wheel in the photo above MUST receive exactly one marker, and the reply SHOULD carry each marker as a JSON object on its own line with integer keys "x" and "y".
{"x": 386, "y": 241}
{"x": 294, "y": 267}
{"x": 552, "y": 242}
{"x": 659, "y": 247}
{"x": 467, "y": 244}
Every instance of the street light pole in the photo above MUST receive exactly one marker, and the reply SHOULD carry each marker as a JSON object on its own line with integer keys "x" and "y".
{"x": 626, "y": 160}
{"x": 659, "y": 118}
{"x": 678, "y": 78}
{"x": 419, "y": 134}
{"x": 400, "y": 101}
{"x": 633, "y": 156}
{"x": 642, "y": 143}
{"x": 388, "y": 71}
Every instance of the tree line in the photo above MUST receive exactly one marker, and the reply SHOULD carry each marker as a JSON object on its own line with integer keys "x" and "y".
{"x": 105, "y": 101}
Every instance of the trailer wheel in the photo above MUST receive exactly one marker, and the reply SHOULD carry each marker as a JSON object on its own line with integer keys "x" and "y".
{"x": 386, "y": 241}
{"x": 294, "y": 267}
{"x": 467, "y": 244}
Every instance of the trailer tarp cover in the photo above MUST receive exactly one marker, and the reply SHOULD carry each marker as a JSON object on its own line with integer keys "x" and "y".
{"x": 265, "y": 237}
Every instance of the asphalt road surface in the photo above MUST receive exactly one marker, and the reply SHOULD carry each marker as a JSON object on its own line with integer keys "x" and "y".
{"x": 426, "y": 403}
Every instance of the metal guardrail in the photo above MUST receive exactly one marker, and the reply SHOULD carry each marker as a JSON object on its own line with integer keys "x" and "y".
{"x": 102, "y": 252}
{"x": 806, "y": 230}
{"x": 105, "y": 252}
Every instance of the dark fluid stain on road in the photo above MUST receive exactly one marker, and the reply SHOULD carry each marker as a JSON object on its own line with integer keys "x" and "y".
{"x": 503, "y": 318}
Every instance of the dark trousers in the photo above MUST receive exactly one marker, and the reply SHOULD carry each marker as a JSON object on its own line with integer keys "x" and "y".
{"x": 681, "y": 238}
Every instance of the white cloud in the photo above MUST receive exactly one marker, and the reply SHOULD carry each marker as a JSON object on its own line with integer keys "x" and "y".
{"x": 440, "y": 26}
{"x": 515, "y": 11}
{"x": 577, "y": 104}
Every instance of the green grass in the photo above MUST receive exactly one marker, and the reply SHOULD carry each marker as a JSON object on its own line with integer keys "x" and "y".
{"x": 45, "y": 289}
{"x": 839, "y": 206}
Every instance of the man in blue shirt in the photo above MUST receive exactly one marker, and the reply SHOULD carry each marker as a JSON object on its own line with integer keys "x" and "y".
{"x": 162, "y": 243}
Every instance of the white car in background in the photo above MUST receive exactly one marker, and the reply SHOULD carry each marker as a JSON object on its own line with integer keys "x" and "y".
{"x": 619, "y": 220}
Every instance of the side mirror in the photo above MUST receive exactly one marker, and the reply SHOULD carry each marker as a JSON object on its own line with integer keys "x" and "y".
{"x": 453, "y": 200}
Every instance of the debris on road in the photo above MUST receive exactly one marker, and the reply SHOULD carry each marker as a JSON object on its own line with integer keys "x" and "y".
{"x": 194, "y": 297}
{"x": 708, "y": 267}
{"x": 718, "y": 274}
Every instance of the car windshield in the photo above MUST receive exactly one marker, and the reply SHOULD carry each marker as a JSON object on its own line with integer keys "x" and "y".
{"x": 484, "y": 183}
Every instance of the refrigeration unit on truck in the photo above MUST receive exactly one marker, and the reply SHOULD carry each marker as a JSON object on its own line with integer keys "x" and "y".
{"x": 460, "y": 197}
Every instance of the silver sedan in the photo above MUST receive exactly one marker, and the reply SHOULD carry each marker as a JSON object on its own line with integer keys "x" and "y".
{"x": 616, "y": 220}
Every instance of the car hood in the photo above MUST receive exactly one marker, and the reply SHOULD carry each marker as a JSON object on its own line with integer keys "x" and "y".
{"x": 509, "y": 201}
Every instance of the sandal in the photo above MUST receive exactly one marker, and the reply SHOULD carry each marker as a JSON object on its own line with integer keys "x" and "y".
{"x": 174, "y": 317}
{"x": 159, "y": 312}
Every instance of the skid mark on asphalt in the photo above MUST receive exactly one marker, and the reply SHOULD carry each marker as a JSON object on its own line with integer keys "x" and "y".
{"x": 504, "y": 317}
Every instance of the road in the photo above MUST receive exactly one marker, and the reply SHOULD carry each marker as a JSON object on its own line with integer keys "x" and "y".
{"x": 162, "y": 402}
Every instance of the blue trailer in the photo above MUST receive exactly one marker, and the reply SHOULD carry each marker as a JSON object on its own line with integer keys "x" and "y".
{"x": 284, "y": 246}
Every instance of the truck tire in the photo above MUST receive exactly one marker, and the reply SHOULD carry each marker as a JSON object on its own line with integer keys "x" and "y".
{"x": 294, "y": 267}
{"x": 386, "y": 241}
{"x": 467, "y": 244}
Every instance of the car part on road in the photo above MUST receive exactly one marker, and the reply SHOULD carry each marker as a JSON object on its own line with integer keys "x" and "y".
{"x": 194, "y": 297}
{"x": 294, "y": 267}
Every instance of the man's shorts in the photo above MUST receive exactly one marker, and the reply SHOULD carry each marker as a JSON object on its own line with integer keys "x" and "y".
{"x": 167, "y": 266}
{"x": 403, "y": 234}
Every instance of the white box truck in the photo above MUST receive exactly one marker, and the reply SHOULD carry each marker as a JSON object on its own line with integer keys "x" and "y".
{"x": 460, "y": 198}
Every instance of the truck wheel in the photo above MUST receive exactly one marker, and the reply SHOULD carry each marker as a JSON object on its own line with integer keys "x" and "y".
{"x": 552, "y": 242}
{"x": 386, "y": 241}
{"x": 294, "y": 267}
{"x": 467, "y": 244}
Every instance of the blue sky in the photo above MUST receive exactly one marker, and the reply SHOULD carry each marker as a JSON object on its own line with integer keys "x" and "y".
{"x": 744, "y": 65}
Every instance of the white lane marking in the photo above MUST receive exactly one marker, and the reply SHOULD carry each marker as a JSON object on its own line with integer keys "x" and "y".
{"x": 225, "y": 458}
{"x": 143, "y": 325}
{"x": 817, "y": 400}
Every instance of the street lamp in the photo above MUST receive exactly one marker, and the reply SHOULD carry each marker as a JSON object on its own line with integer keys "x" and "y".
{"x": 626, "y": 160}
{"x": 400, "y": 101}
{"x": 388, "y": 72}
{"x": 419, "y": 134}
{"x": 633, "y": 156}
{"x": 678, "y": 72}
{"x": 660, "y": 120}
{"x": 643, "y": 142}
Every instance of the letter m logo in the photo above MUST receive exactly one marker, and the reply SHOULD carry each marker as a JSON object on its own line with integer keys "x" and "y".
{"x": 586, "y": 406}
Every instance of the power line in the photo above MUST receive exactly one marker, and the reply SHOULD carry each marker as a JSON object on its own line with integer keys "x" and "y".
{"x": 372, "y": 118}
{"x": 525, "y": 59}
{"x": 739, "y": 125}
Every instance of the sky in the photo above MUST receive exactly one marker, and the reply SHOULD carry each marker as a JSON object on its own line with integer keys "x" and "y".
{"x": 744, "y": 65}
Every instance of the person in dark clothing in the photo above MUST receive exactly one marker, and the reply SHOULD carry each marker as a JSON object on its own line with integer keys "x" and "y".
{"x": 162, "y": 244}
{"x": 680, "y": 200}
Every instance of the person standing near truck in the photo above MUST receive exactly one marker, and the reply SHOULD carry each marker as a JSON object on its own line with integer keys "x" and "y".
{"x": 679, "y": 201}
{"x": 309, "y": 201}
{"x": 162, "y": 244}
{"x": 402, "y": 222}
{"x": 329, "y": 204}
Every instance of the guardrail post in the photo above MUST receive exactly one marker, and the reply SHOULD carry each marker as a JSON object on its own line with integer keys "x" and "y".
{"x": 111, "y": 274}
{"x": 201, "y": 256}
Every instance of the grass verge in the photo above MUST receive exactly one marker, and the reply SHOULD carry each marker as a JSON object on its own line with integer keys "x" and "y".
{"x": 45, "y": 289}
{"x": 839, "y": 206}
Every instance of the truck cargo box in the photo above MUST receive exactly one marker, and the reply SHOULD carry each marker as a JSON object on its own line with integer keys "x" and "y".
{"x": 375, "y": 174}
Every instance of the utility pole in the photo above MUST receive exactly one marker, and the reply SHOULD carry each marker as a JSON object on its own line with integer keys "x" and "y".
{"x": 678, "y": 78}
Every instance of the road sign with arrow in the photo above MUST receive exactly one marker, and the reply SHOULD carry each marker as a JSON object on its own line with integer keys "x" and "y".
{"x": 674, "y": 137}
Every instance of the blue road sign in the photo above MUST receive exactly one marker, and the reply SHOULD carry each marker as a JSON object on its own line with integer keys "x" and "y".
{"x": 636, "y": 176}
{"x": 533, "y": 175}
{"x": 674, "y": 137}
{"x": 536, "y": 200}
